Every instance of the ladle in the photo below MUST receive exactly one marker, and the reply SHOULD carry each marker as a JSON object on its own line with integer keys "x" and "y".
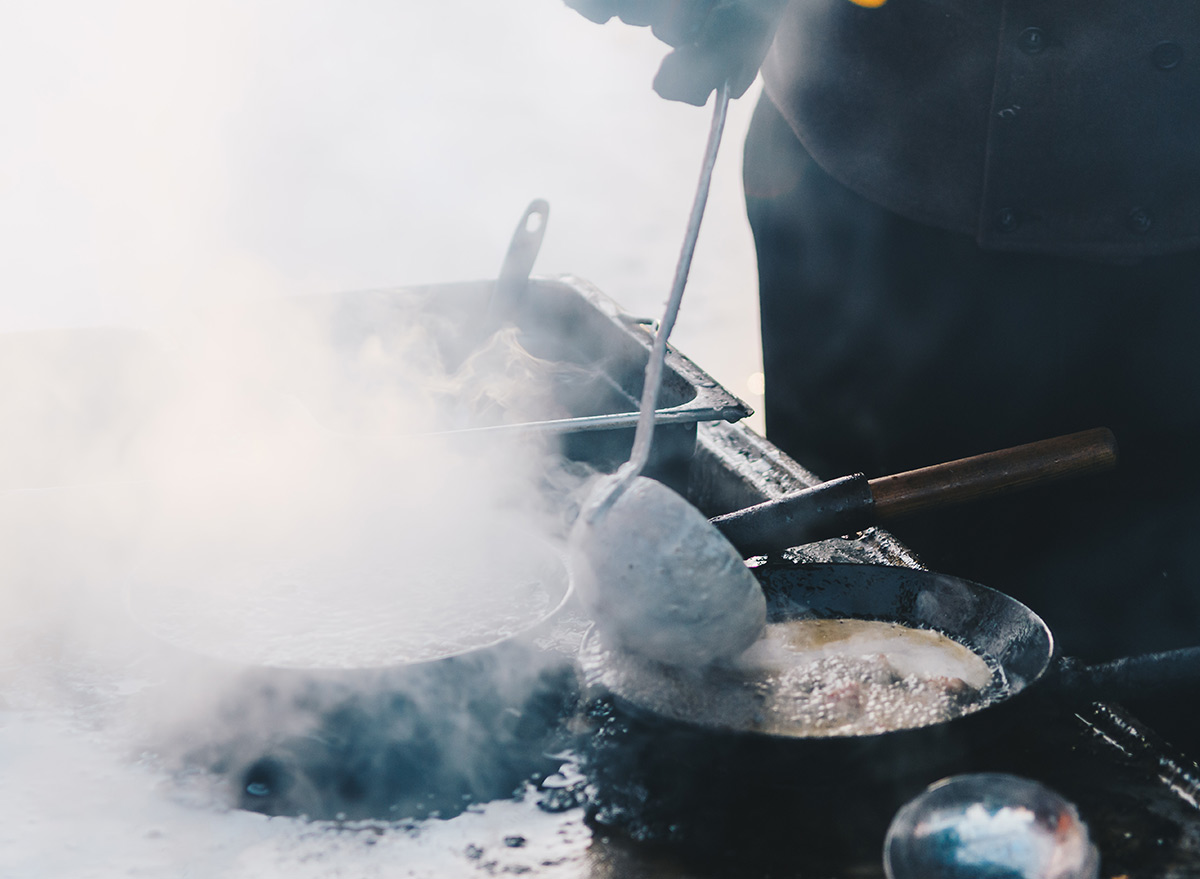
{"x": 518, "y": 263}
{"x": 510, "y": 286}
{"x": 657, "y": 576}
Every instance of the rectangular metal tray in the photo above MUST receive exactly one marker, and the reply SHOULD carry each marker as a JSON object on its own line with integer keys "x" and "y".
{"x": 560, "y": 319}
{"x": 563, "y": 319}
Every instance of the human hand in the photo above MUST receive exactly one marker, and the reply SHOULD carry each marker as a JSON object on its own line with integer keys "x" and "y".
{"x": 713, "y": 41}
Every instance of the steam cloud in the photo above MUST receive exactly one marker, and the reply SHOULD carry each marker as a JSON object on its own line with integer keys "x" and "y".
{"x": 251, "y": 523}
{"x": 174, "y": 165}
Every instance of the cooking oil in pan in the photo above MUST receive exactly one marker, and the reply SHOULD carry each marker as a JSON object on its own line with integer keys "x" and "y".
{"x": 861, "y": 677}
{"x": 812, "y": 677}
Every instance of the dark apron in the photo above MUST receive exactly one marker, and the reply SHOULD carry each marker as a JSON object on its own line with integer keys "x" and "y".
{"x": 890, "y": 345}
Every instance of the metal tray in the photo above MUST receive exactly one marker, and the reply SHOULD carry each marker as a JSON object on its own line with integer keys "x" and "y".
{"x": 560, "y": 319}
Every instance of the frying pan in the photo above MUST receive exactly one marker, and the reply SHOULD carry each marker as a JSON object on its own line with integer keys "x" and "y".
{"x": 328, "y": 731}
{"x": 989, "y": 622}
{"x": 851, "y": 503}
{"x": 300, "y": 608}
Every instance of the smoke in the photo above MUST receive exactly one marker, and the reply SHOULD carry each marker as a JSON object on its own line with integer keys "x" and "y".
{"x": 248, "y": 545}
{"x": 180, "y": 168}
{"x": 265, "y": 483}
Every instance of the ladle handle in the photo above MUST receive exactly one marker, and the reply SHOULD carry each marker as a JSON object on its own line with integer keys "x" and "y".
{"x": 993, "y": 473}
{"x": 509, "y": 289}
{"x": 518, "y": 263}
{"x": 643, "y": 434}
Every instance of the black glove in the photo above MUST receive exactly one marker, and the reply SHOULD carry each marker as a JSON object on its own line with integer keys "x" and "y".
{"x": 713, "y": 40}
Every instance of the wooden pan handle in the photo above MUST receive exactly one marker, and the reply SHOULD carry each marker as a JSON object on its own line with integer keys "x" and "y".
{"x": 994, "y": 473}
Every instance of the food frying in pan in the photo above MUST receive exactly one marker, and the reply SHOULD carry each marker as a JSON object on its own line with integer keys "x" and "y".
{"x": 813, "y": 678}
{"x": 861, "y": 677}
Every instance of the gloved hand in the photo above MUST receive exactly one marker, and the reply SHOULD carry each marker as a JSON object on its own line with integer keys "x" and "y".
{"x": 713, "y": 40}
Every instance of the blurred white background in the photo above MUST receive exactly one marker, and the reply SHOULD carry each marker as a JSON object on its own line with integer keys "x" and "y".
{"x": 158, "y": 156}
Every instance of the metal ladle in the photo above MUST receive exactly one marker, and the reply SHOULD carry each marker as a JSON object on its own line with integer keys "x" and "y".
{"x": 657, "y": 576}
{"x": 518, "y": 263}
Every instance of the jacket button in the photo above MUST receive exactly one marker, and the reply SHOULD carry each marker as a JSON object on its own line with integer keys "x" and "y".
{"x": 1006, "y": 220}
{"x": 1140, "y": 220}
{"x": 1032, "y": 40}
{"x": 1166, "y": 55}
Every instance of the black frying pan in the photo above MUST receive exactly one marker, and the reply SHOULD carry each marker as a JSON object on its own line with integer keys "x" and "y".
{"x": 989, "y": 622}
{"x": 193, "y": 601}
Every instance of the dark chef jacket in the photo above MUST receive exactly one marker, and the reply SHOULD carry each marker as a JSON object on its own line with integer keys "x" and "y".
{"x": 1031, "y": 125}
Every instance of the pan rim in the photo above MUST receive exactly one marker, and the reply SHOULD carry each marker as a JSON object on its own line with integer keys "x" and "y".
{"x": 549, "y": 556}
{"x": 1001, "y": 700}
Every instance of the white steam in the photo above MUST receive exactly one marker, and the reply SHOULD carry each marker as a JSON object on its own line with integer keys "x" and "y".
{"x": 194, "y": 456}
{"x": 180, "y": 166}
{"x": 202, "y": 510}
